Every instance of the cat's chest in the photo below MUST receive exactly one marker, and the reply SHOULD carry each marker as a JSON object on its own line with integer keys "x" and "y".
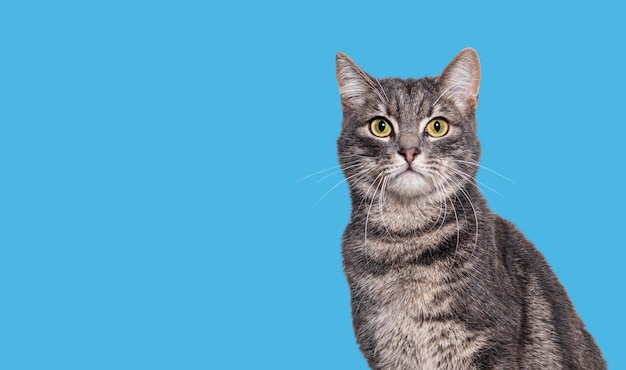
{"x": 405, "y": 343}
{"x": 412, "y": 326}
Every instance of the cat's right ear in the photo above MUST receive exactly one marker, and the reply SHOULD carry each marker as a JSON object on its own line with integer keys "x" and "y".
{"x": 353, "y": 82}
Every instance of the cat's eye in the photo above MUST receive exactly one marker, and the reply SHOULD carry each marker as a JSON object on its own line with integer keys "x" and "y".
{"x": 437, "y": 127}
{"x": 380, "y": 127}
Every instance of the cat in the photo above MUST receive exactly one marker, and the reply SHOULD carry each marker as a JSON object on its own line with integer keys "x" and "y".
{"x": 438, "y": 281}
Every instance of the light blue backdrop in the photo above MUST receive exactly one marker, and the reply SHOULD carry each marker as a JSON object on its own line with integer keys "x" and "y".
{"x": 151, "y": 215}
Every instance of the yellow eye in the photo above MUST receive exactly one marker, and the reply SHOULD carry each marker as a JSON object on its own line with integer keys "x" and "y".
{"x": 437, "y": 127}
{"x": 380, "y": 127}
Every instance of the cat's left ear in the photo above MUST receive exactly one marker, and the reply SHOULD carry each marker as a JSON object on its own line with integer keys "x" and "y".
{"x": 460, "y": 80}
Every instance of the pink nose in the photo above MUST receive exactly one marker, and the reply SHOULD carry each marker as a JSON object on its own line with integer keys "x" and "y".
{"x": 409, "y": 154}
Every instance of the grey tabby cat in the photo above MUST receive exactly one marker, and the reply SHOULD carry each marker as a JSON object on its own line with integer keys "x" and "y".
{"x": 437, "y": 280}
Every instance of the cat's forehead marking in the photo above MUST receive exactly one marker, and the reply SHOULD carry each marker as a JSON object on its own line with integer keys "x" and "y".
{"x": 410, "y": 105}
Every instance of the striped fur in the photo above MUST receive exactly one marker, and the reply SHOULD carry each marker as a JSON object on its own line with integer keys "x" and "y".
{"x": 437, "y": 280}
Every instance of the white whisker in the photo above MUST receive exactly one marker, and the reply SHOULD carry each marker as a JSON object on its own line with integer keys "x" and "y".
{"x": 367, "y": 216}
{"x": 381, "y": 203}
{"x": 439, "y": 190}
{"x": 470, "y": 178}
{"x": 339, "y": 171}
{"x": 316, "y": 173}
{"x": 469, "y": 199}
{"x": 339, "y": 183}
{"x": 486, "y": 168}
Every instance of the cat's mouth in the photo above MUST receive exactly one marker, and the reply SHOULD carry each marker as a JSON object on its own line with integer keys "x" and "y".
{"x": 411, "y": 182}
{"x": 411, "y": 173}
{"x": 410, "y": 170}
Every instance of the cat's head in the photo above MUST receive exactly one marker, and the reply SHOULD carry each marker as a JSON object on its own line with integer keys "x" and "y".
{"x": 413, "y": 138}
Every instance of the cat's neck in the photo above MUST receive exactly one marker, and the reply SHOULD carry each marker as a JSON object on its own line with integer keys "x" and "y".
{"x": 413, "y": 233}
{"x": 401, "y": 216}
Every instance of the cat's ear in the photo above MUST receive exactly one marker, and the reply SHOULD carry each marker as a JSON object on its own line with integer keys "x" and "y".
{"x": 460, "y": 80}
{"x": 353, "y": 82}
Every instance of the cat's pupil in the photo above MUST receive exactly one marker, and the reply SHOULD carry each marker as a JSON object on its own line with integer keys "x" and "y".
{"x": 381, "y": 126}
{"x": 437, "y": 126}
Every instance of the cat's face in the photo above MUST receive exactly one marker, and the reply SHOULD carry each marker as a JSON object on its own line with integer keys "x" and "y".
{"x": 409, "y": 138}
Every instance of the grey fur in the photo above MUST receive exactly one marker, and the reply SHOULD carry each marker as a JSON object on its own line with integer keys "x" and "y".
{"x": 437, "y": 280}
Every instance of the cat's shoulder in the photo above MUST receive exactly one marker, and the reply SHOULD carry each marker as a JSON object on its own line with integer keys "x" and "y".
{"x": 519, "y": 254}
{"x": 514, "y": 247}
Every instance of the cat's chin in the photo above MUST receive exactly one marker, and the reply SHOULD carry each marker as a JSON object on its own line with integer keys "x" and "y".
{"x": 410, "y": 184}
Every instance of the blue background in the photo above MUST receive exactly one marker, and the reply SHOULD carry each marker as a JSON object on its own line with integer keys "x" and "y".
{"x": 150, "y": 152}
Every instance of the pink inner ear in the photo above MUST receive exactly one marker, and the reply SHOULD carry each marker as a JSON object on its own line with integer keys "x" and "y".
{"x": 461, "y": 78}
